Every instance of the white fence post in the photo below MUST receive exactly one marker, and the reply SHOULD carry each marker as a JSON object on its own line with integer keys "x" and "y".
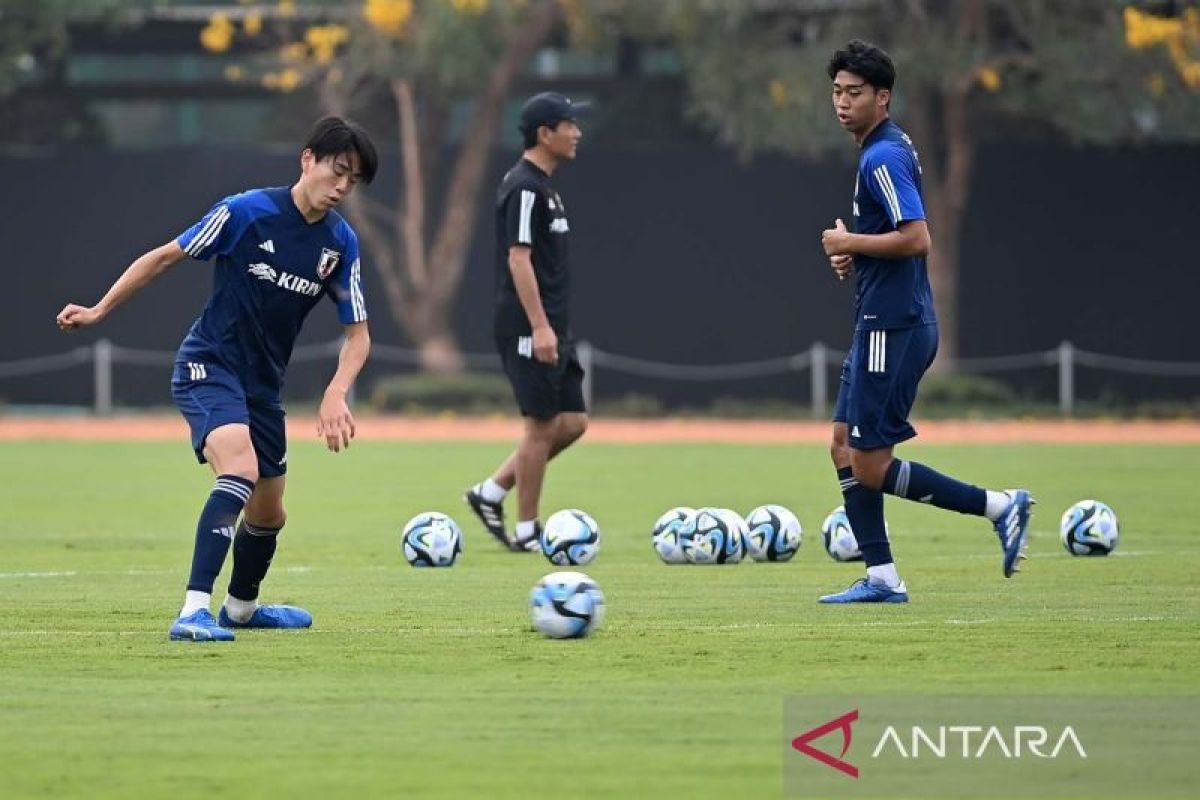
{"x": 1066, "y": 378}
{"x": 819, "y": 378}
{"x": 102, "y": 377}
{"x": 583, "y": 351}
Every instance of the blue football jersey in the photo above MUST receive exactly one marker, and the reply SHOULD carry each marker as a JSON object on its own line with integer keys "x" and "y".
{"x": 272, "y": 268}
{"x": 890, "y": 292}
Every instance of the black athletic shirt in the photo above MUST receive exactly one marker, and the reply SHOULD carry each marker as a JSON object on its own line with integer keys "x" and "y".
{"x": 529, "y": 212}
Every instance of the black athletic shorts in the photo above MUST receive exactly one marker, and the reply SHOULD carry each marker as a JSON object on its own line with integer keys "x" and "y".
{"x": 542, "y": 390}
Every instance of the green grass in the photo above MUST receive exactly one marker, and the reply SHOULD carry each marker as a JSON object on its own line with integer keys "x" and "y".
{"x": 429, "y": 683}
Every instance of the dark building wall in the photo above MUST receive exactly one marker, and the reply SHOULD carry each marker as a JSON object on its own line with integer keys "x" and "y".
{"x": 681, "y": 255}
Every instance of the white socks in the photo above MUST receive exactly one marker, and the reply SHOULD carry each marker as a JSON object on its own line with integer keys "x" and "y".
{"x": 885, "y": 574}
{"x": 996, "y": 503}
{"x": 526, "y": 530}
{"x": 239, "y": 610}
{"x": 491, "y": 491}
{"x": 194, "y": 601}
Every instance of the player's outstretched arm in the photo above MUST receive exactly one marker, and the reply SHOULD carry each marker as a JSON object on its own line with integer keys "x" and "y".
{"x": 334, "y": 420}
{"x": 144, "y": 269}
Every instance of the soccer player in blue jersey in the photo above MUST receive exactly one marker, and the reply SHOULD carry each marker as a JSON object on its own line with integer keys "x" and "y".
{"x": 895, "y": 336}
{"x": 277, "y": 252}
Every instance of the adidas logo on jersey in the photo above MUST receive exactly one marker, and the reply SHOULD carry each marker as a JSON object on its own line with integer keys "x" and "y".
{"x": 559, "y": 225}
{"x": 286, "y": 280}
{"x": 268, "y": 245}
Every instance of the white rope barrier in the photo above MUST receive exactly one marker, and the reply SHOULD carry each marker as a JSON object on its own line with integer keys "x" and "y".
{"x": 818, "y": 359}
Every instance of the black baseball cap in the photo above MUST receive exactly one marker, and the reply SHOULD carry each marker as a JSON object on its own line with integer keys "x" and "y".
{"x": 549, "y": 109}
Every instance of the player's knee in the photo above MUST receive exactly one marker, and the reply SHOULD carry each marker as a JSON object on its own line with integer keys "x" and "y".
{"x": 541, "y": 431}
{"x": 572, "y": 427}
{"x": 245, "y": 468}
{"x": 274, "y": 517}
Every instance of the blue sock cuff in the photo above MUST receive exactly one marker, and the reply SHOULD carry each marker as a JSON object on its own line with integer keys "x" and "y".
{"x": 895, "y": 480}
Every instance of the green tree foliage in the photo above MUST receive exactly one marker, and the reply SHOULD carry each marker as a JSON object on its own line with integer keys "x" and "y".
{"x": 1094, "y": 71}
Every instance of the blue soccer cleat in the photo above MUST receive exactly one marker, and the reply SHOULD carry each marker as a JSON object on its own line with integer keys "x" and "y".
{"x": 864, "y": 590}
{"x": 1012, "y": 527}
{"x": 199, "y": 626}
{"x": 270, "y": 617}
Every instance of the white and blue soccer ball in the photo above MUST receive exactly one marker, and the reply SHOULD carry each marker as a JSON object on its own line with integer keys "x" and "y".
{"x": 566, "y": 605}
{"x": 570, "y": 538}
{"x": 737, "y": 535}
{"x": 711, "y": 536}
{"x": 772, "y": 533}
{"x": 839, "y": 537}
{"x": 665, "y": 536}
{"x": 1089, "y": 528}
{"x": 431, "y": 539}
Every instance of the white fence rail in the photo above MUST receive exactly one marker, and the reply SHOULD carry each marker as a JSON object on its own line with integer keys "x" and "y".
{"x": 818, "y": 360}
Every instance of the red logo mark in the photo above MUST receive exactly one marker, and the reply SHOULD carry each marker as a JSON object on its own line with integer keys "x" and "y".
{"x": 843, "y": 722}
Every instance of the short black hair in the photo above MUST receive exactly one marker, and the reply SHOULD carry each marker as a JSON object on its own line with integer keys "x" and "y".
{"x": 866, "y": 61}
{"x": 529, "y": 137}
{"x": 332, "y": 136}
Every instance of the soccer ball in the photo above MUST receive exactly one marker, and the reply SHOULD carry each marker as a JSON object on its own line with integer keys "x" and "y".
{"x": 1089, "y": 528}
{"x": 839, "y": 537}
{"x": 566, "y": 605}
{"x": 711, "y": 536}
{"x": 570, "y": 538}
{"x": 666, "y": 534}
{"x": 431, "y": 540}
{"x": 737, "y": 535}
{"x": 773, "y": 533}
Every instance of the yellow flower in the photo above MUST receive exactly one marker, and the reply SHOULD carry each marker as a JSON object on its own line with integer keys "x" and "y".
{"x": 1144, "y": 30}
{"x": 471, "y": 7}
{"x": 283, "y": 81}
{"x": 286, "y": 8}
{"x": 389, "y": 16}
{"x": 252, "y": 24}
{"x": 989, "y": 78}
{"x": 289, "y": 79}
{"x": 777, "y": 89}
{"x": 217, "y": 35}
{"x": 324, "y": 41}
{"x": 293, "y": 51}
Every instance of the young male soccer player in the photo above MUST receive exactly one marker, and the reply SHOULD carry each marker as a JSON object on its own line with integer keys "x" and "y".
{"x": 895, "y": 336}
{"x": 278, "y": 252}
{"x": 532, "y": 320}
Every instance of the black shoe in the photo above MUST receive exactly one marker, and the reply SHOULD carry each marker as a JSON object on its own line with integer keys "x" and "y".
{"x": 491, "y": 515}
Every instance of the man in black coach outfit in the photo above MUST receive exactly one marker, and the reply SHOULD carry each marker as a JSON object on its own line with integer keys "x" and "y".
{"x": 532, "y": 317}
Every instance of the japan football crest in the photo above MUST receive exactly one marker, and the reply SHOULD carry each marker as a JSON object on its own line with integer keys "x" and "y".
{"x": 328, "y": 262}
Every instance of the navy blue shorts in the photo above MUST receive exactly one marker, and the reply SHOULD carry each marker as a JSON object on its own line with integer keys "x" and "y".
{"x": 879, "y": 384}
{"x": 543, "y": 391}
{"x": 210, "y": 396}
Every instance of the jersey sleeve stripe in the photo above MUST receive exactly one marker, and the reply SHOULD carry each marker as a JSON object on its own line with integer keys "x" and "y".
{"x": 209, "y": 232}
{"x": 889, "y": 190}
{"x": 524, "y": 231}
{"x": 356, "y": 295}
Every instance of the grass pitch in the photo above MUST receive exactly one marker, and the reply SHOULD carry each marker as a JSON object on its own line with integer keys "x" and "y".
{"x": 429, "y": 683}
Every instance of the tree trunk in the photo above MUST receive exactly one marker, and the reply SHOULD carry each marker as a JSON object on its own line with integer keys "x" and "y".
{"x": 421, "y": 275}
{"x": 943, "y": 136}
